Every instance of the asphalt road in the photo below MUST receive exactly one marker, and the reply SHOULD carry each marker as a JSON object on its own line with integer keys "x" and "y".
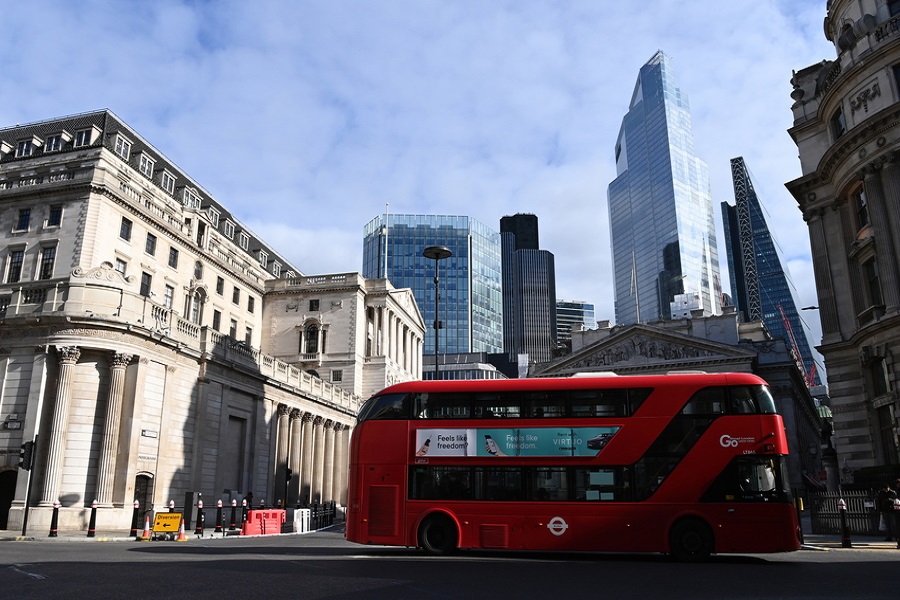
{"x": 324, "y": 565}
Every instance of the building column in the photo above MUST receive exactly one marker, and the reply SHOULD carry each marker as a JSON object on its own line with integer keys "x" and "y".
{"x": 106, "y": 470}
{"x": 328, "y": 466}
{"x": 293, "y": 488}
{"x": 887, "y": 264}
{"x": 819, "y": 248}
{"x": 318, "y": 459}
{"x": 68, "y": 358}
{"x": 281, "y": 453}
{"x": 306, "y": 463}
{"x": 340, "y": 463}
{"x": 890, "y": 179}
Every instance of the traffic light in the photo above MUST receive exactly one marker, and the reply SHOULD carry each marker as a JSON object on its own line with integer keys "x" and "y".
{"x": 288, "y": 473}
{"x": 26, "y": 456}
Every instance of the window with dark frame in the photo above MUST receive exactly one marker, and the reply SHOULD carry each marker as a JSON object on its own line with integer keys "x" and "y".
{"x": 150, "y": 246}
{"x": 48, "y": 259}
{"x": 125, "y": 229}
{"x": 173, "y": 258}
{"x": 55, "y": 218}
{"x": 16, "y": 258}
{"x": 24, "y": 219}
{"x": 146, "y": 283}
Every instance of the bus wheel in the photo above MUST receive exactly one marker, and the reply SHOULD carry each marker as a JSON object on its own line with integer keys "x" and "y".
{"x": 437, "y": 535}
{"x": 690, "y": 541}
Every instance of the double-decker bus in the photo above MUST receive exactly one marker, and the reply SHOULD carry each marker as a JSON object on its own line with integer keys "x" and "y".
{"x": 688, "y": 464}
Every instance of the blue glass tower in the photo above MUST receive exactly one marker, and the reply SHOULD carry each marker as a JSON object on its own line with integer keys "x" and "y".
{"x": 760, "y": 284}
{"x": 470, "y": 280}
{"x": 662, "y": 226}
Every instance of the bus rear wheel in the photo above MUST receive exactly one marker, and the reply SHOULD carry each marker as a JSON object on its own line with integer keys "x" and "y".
{"x": 437, "y": 535}
{"x": 690, "y": 541}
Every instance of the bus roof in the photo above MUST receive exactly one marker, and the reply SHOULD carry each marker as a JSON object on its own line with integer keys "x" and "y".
{"x": 582, "y": 381}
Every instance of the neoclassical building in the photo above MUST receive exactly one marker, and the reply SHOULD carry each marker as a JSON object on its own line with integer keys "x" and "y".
{"x": 137, "y": 347}
{"x": 847, "y": 130}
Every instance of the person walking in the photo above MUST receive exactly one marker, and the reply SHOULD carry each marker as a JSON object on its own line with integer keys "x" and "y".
{"x": 885, "y": 501}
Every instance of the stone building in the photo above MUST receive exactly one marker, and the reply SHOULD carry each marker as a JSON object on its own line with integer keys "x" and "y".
{"x": 713, "y": 344}
{"x": 847, "y": 130}
{"x": 133, "y": 346}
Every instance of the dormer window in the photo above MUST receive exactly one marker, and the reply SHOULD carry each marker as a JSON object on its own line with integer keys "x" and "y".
{"x": 86, "y": 137}
{"x": 123, "y": 146}
{"x": 55, "y": 142}
{"x": 214, "y": 217}
{"x": 26, "y": 147}
{"x": 229, "y": 229}
{"x": 191, "y": 198}
{"x": 146, "y": 164}
{"x": 244, "y": 241}
{"x": 263, "y": 258}
{"x": 276, "y": 269}
{"x": 167, "y": 182}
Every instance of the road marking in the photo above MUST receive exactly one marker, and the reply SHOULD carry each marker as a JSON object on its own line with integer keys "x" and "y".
{"x": 26, "y": 573}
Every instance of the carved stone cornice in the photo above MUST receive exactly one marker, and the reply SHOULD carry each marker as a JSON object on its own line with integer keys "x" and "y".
{"x": 105, "y": 272}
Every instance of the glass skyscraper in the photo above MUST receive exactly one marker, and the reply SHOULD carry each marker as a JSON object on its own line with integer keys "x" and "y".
{"x": 662, "y": 226}
{"x": 471, "y": 310}
{"x": 571, "y": 314}
{"x": 760, "y": 284}
{"x": 529, "y": 291}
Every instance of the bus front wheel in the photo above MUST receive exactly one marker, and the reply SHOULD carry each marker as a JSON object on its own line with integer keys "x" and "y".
{"x": 437, "y": 535}
{"x": 690, "y": 541}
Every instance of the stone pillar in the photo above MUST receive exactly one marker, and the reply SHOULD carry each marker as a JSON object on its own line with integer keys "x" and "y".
{"x": 819, "y": 247}
{"x": 328, "y": 466}
{"x": 340, "y": 463}
{"x": 887, "y": 263}
{"x": 318, "y": 459}
{"x": 106, "y": 470}
{"x": 293, "y": 493}
{"x": 306, "y": 457}
{"x": 281, "y": 454}
{"x": 890, "y": 179}
{"x": 68, "y": 358}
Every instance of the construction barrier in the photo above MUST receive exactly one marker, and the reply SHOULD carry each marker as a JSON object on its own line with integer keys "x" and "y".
{"x": 263, "y": 521}
{"x": 301, "y": 520}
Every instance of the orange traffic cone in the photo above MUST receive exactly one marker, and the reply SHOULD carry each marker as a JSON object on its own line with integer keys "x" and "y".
{"x": 145, "y": 536}
{"x": 181, "y": 537}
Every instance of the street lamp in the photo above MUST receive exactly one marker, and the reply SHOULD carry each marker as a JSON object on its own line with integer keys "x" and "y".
{"x": 437, "y": 253}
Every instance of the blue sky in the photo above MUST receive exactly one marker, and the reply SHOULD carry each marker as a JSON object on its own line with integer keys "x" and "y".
{"x": 306, "y": 117}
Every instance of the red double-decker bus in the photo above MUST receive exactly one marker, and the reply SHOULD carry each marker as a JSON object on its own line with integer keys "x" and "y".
{"x": 688, "y": 464}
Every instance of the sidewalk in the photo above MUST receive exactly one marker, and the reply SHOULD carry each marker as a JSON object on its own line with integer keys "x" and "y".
{"x": 814, "y": 541}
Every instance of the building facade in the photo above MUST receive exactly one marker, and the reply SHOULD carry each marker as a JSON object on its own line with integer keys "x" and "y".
{"x": 847, "y": 130}
{"x": 761, "y": 287}
{"x": 661, "y": 218}
{"x": 470, "y": 283}
{"x": 529, "y": 291}
{"x": 131, "y": 339}
{"x": 573, "y": 315}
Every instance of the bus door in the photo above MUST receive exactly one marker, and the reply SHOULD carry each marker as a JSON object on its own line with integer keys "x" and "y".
{"x": 382, "y": 497}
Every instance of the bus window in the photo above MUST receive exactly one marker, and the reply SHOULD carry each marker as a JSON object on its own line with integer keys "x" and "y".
{"x": 740, "y": 401}
{"x": 547, "y": 484}
{"x": 440, "y": 483}
{"x": 543, "y": 404}
{"x": 708, "y": 401}
{"x": 489, "y": 405}
{"x": 498, "y": 483}
{"x": 755, "y": 478}
{"x": 764, "y": 400}
{"x": 389, "y": 406}
{"x": 443, "y": 406}
{"x": 600, "y": 485}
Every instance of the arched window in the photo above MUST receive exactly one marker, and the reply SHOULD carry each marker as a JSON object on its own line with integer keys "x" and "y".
{"x": 312, "y": 339}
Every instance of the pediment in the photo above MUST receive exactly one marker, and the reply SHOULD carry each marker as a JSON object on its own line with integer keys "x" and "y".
{"x": 106, "y": 272}
{"x": 643, "y": 348}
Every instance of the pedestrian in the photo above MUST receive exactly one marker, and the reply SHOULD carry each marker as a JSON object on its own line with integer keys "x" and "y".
{"x": 885, "y": 501}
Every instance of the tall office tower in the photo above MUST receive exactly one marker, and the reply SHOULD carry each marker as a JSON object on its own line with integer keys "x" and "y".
{"x": 529, "y": 291}
{"x": 572, "y": 315}
{"x": 471, "y": 305}
{"x": 660, "y": 208}
{"x": 760, "y": 285}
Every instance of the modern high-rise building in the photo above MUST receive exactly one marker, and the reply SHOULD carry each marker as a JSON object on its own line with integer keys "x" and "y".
{"x": 661, "y": 218}
{"x": 845, "y": 111}
{"x": 470, "y": 284}
{"x": 760, "y": 283}
{"x": 573, "y": 315}
{"x": 529, "y": 291}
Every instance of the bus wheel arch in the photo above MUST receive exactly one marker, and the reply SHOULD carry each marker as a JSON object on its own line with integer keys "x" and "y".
{"x": 691, "y": 539}
{"x": 438, "y": 534}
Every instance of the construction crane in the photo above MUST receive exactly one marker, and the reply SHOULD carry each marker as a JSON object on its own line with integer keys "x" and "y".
{"x": 809, "y": 376}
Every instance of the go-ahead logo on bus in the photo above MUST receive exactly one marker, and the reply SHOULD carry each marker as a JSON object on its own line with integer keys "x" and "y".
{"x": 726, "y": 441}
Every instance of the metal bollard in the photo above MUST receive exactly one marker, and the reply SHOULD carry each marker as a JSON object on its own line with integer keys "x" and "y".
{"x": 200, "y": 518}
{"x": 171, "y": 506}
{"x": 54, "y": 520}
{"x": 92, "y": 525}
{"x": 219, "y": 521}
{"x": 135, "y": 519}
{"x": 897, "y": 521}
{"x": 233, "y": 525}
{"x": 244, "y": 510}
{"x": 845, "y": 531}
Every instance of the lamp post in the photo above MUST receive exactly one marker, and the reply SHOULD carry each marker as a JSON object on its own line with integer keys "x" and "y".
{"x": 437, "y": 253}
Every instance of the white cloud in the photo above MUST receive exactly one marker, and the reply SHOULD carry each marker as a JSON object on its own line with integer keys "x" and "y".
{"x": 306, "y": 118}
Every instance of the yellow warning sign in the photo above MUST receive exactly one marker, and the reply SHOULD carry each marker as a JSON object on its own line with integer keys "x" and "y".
{"x": 168, "y": 522}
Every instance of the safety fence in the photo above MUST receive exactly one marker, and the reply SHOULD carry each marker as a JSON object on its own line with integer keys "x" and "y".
{"x": 862, "y": 515}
